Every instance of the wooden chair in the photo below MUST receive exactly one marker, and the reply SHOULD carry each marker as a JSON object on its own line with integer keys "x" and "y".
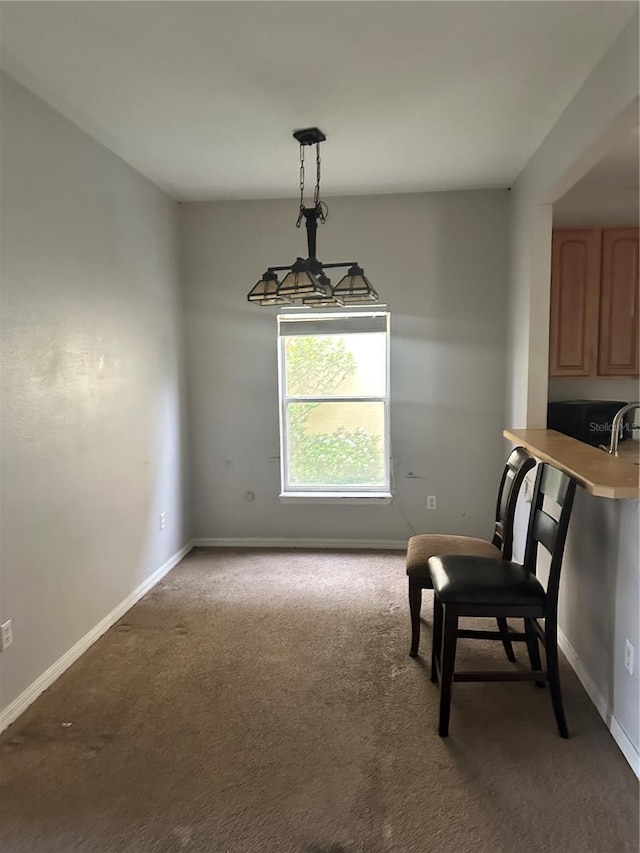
{"x": 485, "y": 586}
{"x": 424, "y": 546}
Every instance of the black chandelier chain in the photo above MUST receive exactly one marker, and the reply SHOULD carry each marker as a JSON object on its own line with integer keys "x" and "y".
{"x": 320, "y": 207}
{"x": 306, "y": 279}
{"x": 316, "y": 192}
{"x": 301, "y": 213}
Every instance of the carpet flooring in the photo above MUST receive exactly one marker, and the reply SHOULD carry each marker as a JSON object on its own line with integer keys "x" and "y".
{"x": 265, "y": 701}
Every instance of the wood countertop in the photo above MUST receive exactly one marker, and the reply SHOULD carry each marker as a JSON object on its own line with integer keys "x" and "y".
{"x": 595, "y": 470}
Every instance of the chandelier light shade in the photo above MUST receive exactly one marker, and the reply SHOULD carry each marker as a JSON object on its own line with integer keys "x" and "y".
{"x": 305, "y": 280}
{"x": 328, "y": 298}
{"x": 265, "y": 292}
{"x": 355, "y": 287}
{"x": 300, "y": 282}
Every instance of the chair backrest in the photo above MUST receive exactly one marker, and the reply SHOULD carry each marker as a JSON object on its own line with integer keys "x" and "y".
{"x": 544, "y": 529}
{"x": 515, "y": 470}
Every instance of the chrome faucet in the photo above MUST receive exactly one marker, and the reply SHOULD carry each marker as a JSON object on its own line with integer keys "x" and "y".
{"x": 617, "y": 423}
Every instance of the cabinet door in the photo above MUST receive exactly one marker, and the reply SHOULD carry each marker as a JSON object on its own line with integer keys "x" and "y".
{"x": 618, "y": 348}
{"x": 575, "y": 294}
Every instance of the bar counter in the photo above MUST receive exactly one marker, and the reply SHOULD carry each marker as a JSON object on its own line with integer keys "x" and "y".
{"x": 595, "y": 470}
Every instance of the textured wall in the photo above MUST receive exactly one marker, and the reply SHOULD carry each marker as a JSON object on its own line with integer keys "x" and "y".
{"x": 92, "y": 444}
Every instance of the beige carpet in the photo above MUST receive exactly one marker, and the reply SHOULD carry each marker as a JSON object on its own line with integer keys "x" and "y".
{"x": 265, "y": 701}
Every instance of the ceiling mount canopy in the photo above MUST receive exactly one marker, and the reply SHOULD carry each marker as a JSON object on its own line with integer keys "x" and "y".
{"x": 305, "y": 280}
{"x": 309, "y": 136}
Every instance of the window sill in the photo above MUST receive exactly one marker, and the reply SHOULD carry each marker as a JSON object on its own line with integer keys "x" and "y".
{"x": 343, "y": 498}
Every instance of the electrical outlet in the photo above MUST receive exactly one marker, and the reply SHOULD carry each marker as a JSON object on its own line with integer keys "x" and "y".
{"x": 6, "y": 635}
{"x": 628, "y": 656}
{"x": 431, "y": 501}
{"x": 163, "y": 520}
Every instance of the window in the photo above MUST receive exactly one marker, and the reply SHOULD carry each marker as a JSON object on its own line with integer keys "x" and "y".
{"x": 334, "y": 404}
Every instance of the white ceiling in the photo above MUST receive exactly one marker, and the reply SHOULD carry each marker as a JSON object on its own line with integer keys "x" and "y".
{"x": 202, "y": 97}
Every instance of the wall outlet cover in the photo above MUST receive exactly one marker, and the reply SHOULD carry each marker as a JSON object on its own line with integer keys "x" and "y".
{"x": 628, "y": 657}
{"x": 6, "y": 635}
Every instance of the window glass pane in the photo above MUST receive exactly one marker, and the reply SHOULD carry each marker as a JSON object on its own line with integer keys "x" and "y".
{"x": 336, "y": 365}
{"x": 336, "y": 444}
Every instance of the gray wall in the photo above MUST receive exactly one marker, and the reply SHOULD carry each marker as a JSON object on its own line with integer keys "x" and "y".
{"x": 92, "y": 443}
{"x": 599, "y": 604}
{"x": 593, "y": 204}
{"x": 602, "y": 113}
{"x": 597, "y": 579}
{"x": 601, "y": 582}
{"x": 439, "y": 260}
{"x": 597, "y": 388}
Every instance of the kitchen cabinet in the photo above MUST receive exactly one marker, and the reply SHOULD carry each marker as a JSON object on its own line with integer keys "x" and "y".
{"x": 618, "y": 340}
{"x": 575, "y": 296}
{"x": 594, "y": 302}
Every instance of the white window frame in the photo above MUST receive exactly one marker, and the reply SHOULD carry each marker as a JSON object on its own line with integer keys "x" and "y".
{"x": 327, "y": 323}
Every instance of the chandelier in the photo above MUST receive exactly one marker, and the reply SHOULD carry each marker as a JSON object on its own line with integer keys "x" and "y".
{"x": 306, "y": 281}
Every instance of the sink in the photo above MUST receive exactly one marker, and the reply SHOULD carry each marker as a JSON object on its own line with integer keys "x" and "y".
{"x": 620, "y": 454}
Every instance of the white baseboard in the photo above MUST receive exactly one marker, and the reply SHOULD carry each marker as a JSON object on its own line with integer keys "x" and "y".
{"x": 626, "y": 745}
{"x": 22, "y": 702}
{"x": 593, "y": 691}
{"x": 338, "y": 544}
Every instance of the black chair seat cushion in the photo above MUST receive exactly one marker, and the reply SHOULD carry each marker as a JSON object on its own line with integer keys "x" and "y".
{"x": 425, "y": 545}
{"x": 484, "y": 580}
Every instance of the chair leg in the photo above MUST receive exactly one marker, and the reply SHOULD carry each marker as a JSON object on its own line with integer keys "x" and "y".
{"x": 506, "y": 641}
{"x": 449, "y": 641}
{"x": 551, "y": 646}
{"x": 436, "y": 642}
{"x": 415, "y": 605}
{"x": 534, "y": 649}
